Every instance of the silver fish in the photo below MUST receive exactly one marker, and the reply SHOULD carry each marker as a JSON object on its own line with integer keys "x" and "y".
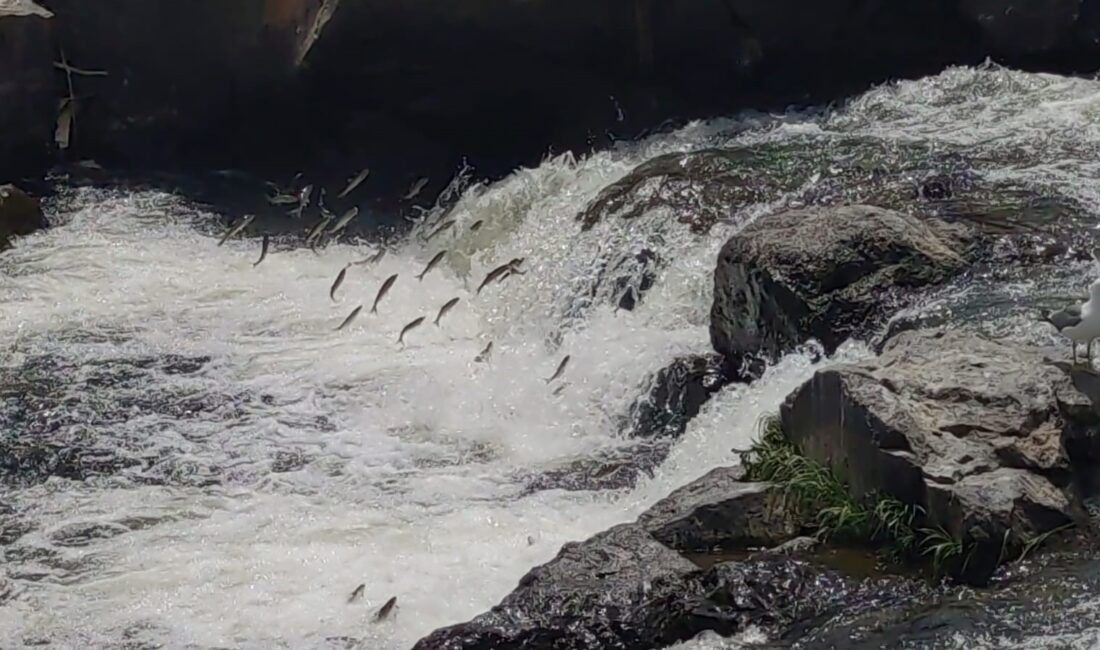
{"x": 236, "y": 230}
{"x": 476, "y": 226}
{"x": 373, "y": 259}
{"x": 445, "y": 225}
{"x": 560, "y": 370}
{"x": 354, "y": 183}
{"x": 431, "y": 264}
{"x": 315, "y": 231}
{"x": 325, "y": 212}
{"x": 501, "y": 272}
{"x": 263, "y": 250}
{"x": 336, "y": 285}
{"x": 282, "y": 199}
{"x": 560, "y": 389}
{"x": 357, "y": 594}
{"x": 382, "y": 292}
{"x": 345, "y": 219}
{"x": 484, "y": 355}
{"x": 445, "y": 308}
{"x": 408, "y": 328}
{"x": 415, "y": 189}
{"x": 386, "y": 609}
{"x": 351, "y": 317}
{"x": 303, "y": 200}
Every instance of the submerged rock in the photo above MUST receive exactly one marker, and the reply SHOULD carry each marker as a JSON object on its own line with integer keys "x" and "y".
{"x": 824, "y": 273}
{"x": 19, "y": 214}
{"x": 719, "y": 512}
{"x": 970, "y": 429}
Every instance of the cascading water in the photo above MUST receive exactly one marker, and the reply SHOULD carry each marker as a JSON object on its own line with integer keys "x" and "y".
{"x": 197, "y": 459}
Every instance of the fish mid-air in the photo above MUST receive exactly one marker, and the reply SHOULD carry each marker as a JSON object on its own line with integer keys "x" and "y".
{"x": 236, "y": 230}
{"x": 354, "y": 183}
{"x": 408, "y": 328}
{"x": 484, "y": 355}
{"x": 476, "y": 226}
{"x": 445, "y": 225}
{"x": 560, "y": 371}
{"x": 386, "y": 610}
{"x": 315, "y": 232}
{"x": 501, "y": 272}
{"x": 345, "y": 219}
{"x": 351, "y": 317}
{"x": 336, "y": 285}
{"x": 448, "y": 306}
{"x": 431, "y": 264}
{"x": 415, "y": 189}
{"x": 303, "y": 201}
{"x": 357, "y": 594}
{"x": 382, "y": 292}
{"x": 263, "y": 250}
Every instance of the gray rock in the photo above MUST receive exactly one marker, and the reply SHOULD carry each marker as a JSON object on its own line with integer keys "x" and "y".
{"x": 719, "y": 512}
{"x": 1023, "y": 26}
{"x": 970, "y": 429}
{"x": 824, "y": 273}
{"x": 676, "y": 395}
{"x": 19, "y": 214}
{"x": 28, "y": 101}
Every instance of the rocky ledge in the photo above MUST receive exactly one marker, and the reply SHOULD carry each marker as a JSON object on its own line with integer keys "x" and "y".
{"x": 19, "y": 214}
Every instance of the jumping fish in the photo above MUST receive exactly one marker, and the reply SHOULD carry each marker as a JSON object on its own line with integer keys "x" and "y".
{"x": 408, "y": 328}
{"x": 444, "y": 309}
{"x": 484, "y": 355}
{"x": 357, "y": 594}
{"x": 431, "y": 264}
{"x": 282, "y": 199}
{"x": 303, "y": 200}
{"x": 476, "y": 226}
{"x": 325, "y": 212}
{"x": 236, "y": 230}
{"x": 336, "y": 285}
{"x": 386, "y": 609}
{"x": 263, "y": 250}
{"x": 382, "y": 292}
{"x": 373, "y": 259}
{"x": 351, "y": 317}
{"x": 445, "y": 225}
{"x": 560, "y": 370}
{"x": 560, "y": 389}
{"x": 501, "y": 272}
{"x": 345, "y": 219}
{"x": 354, "y": 183}
{"x": 415, "y": 189}
{"x": 315, "y": 231}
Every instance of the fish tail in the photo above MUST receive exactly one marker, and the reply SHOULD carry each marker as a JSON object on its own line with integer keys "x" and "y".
{"x": 374, "y": 309}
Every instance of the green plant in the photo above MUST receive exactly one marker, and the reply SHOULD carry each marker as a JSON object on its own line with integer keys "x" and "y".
{"x": 1035, "y": 541}
{"x": 942, "y": 546}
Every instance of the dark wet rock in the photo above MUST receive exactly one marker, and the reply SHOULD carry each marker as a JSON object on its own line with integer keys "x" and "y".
{"x": 825, "y": 273}
{"x": 1022, "y": 26}
{"x": 697, "y": 188}
{"x": 19, "y": 214}
{"x": 593, "y": 594}
{"x": 970, "y": 429}
{"x": 719, "y": 512}
{"x": 626, "y": 593}
{"x": 614, "y": 469}
{"x": 85, "y": 533}
{"x": 28, "y": 100}
{"x": 676, "y": 394}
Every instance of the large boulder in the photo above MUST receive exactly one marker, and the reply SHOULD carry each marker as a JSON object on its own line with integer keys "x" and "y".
{"x": 676, "y": 394}
{"x": 970, "y": 429}
{"x": 825, "y": 273}
{"x": 1023, "y": 27}
{"x": 19, "y": 214}
{"x": 27, "y": 98}
{"x": 720, "y": 512}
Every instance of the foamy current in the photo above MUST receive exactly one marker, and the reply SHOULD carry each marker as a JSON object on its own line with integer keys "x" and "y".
{"x": 271, "y": 464}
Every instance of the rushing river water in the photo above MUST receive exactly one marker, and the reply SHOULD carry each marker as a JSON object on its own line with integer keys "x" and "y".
{"x": 205, "y": 462}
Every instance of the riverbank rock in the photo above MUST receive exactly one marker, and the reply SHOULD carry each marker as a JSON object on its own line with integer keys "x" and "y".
{"x": 27, "y": 101}
{"x": 970, "y": 429}
{"x": 824, "y": 273}
{"x": 19, "y": 214}
{"x": 719, "y": 512}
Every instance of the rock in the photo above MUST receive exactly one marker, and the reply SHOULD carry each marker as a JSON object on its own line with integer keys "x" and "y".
{"x": 824, "y": 273}
{"x": 970, "y": 429}
{"x": 1023, "y": 26}
{"x": 593, "y": 594}
{"x": 676, "y": 394}
{"x": 719, "y": 512}
{"x": 613, "y": 469}
{"x": 796, "y": 546}
{"x": 27, "y": 99}
{"x": 697, "y": 188}
{"x": 19, "y": 214}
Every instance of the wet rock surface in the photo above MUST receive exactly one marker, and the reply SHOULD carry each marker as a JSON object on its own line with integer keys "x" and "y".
{"x": 719, "y": 512}
{"x": 19, "y": 214}
{"x": 824, "y": 273}
{"x": 27, "y": 98}
{"x": 676, "y": 394}
{"x": 970, "y": 429}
